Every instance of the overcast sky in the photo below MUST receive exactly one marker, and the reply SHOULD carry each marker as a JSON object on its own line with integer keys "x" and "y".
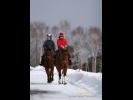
{"x": 83, "y": 13}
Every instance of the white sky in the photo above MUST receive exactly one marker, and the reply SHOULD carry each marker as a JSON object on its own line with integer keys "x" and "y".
{"x": 85, "y": 13}
{"x": 80, "y": 85}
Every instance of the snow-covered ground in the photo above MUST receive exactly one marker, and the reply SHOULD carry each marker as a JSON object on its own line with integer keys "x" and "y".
{"x": 80, "y": 85}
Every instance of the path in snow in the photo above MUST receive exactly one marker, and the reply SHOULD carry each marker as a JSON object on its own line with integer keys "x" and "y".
{"x": 41, "y": 90}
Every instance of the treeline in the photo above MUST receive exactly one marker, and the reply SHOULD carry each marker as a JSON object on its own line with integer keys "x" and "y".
{"x": 88, "y": 66}
{"x": 85, "y": 45}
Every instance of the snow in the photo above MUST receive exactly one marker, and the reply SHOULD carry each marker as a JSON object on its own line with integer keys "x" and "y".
{"x": 80, "y": 85}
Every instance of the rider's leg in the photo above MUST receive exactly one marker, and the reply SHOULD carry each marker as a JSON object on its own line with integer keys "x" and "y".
{"x": 70, "y": 58}
{"x": 42, "y": 58}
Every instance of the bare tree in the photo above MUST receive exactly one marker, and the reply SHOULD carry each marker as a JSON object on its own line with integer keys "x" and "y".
{"x": 75, "y": 45}
{"x": 55, "y": 31}
{"x": 42, "y": 29}
{"x": 100, "y": 53}
{"x": 32, "y": 44}
{"x": 95, "y": 38}
{"x": 78, "y": 44}
{"x": 65, "y": 27}
{"x": 86, "y": 49}
{"x": 39, "y": 29}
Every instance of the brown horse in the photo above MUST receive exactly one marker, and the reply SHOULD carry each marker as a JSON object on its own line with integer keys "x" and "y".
{"x": 48, "y": 64}
{"x": 62, "y": 65}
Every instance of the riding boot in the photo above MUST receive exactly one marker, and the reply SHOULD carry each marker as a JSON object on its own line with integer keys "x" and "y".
{"x": 40, "y": 62}
{"x": 54, "y": 56}
{"x": 42, "y": 59}
{"x": 70, "y": 59}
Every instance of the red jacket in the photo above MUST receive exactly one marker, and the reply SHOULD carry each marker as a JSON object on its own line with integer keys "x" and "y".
{"x": 60, "y": 42}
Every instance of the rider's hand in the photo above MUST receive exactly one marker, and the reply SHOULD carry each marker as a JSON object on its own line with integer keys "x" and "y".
{"x": 62, "y": 46}
{"x": 65, "y": 46}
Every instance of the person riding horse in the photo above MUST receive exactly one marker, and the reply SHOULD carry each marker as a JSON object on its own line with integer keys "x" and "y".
{"x": 61, "y": 43}
{"x": 49, "y": 43}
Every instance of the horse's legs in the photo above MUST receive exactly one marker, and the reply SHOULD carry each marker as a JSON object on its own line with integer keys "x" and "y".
{"x": 52, "y": 71}
{"x": 59, "y": 71}
{"x": 64, "y": 77}
{"x": 51, "y": 74}
{"x": 48, "y": 74}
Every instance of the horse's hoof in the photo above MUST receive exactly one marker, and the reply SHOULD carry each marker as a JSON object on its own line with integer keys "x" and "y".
{"x": 65, "y": 83}
{"x": 48, "y": 81}
{"x": 60, "y": 82}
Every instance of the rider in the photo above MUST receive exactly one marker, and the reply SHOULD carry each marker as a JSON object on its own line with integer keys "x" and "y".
{"x": 49, "y": 43}
{"x": 61, "y": 41}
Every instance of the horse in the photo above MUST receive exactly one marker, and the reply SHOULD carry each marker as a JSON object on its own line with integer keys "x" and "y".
{"x": 61, "y": 61}
{"x": 48, "y": 64}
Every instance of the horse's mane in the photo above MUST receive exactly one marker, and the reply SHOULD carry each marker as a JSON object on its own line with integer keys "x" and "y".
{"x": 60, "y": 54}
{"x": 49, "y": 49}
{"x": 48, "y": 58}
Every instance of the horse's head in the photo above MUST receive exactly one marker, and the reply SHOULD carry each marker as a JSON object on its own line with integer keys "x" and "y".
{"x": 64, "y": 57}
{"x": 49, "y": 50}
{"x": 48, "y": 58}
{"x": 48, "y": 54}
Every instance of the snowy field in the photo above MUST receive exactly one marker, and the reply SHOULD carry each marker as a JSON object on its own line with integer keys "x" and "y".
{"x": 80, "y": 85}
